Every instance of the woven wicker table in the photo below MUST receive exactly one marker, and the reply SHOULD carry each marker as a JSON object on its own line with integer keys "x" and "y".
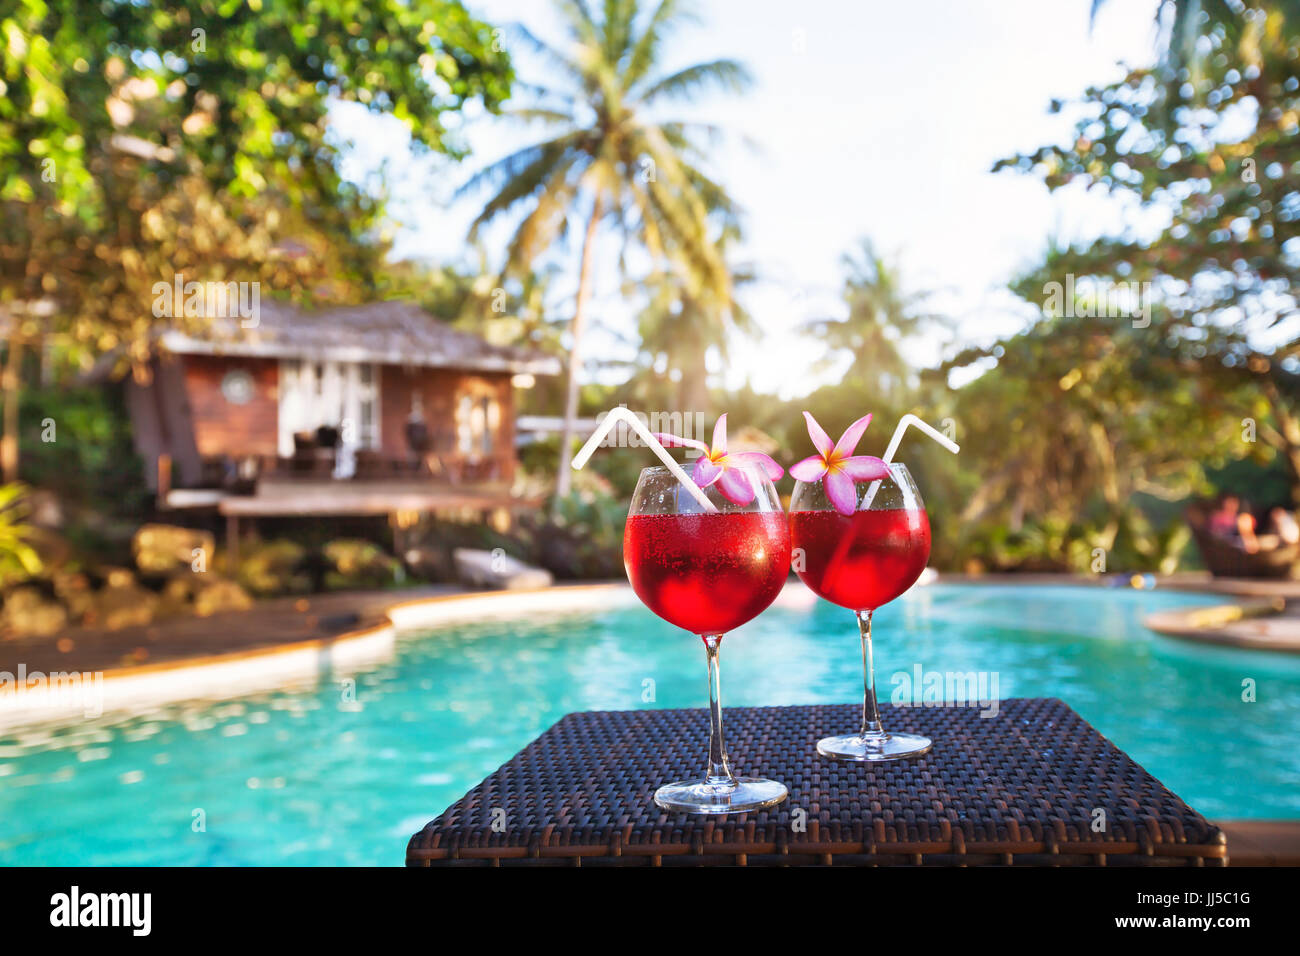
{"x": 1023, "y": 787}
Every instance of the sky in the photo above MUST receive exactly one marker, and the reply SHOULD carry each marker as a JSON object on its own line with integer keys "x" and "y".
{"x": 866, "y": 119}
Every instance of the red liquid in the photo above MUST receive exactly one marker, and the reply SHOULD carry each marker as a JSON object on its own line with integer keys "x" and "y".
{"x": 707, "y": 573}
{"x": 861, "y": 561}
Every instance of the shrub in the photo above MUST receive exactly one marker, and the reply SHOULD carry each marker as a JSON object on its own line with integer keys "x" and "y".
{"x": 18, "y": 559}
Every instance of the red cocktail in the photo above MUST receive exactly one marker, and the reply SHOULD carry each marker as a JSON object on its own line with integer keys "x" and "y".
{"x": 707, "y": 573}
{"x": 860, "y": 546}
{"x": 863, "y": 560}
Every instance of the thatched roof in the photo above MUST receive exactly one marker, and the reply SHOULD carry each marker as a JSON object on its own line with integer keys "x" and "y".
{"x": 389, "y": 333}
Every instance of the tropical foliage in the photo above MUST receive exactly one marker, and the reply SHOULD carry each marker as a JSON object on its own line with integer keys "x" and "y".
{"x": 1188, "y": 374}
{"x": 683, "y": 324}
{"x": 18, "y": 559}
{"x": 882, "y": 315}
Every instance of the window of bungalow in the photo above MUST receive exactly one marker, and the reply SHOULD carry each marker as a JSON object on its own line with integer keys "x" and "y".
{"x": 313, "y": 394}
{"x": 478, "y": 417}
{"x": 368, "y": 401}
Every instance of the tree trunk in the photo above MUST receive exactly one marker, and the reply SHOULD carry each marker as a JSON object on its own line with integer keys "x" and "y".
{"x": 562, "y": 472}
{"x": 11, "y": 387}
{"x": 693, "y": 393}
{"x": 1287, "y": 436}
{"x": 1016, "y": 523}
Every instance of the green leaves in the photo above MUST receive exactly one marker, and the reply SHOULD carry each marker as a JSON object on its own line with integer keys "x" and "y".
{"x": 727, "y": 75}
{"x": 1217, "y": 152}
{"x": 139, "y": 140}
{"x": 882, "y": 315}
{"x": 18, "y": 559}
{"x": 1142, "y": 411}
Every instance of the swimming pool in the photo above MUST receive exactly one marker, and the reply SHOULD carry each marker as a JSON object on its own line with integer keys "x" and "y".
{"x": 322, "y": 775}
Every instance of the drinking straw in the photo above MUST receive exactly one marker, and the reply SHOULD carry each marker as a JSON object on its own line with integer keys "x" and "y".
{"x": 621, "y": 414}
{"x": 903, "y": 423}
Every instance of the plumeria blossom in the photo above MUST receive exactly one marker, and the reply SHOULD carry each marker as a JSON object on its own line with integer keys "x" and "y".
{"x": 838, "y": 465}
{"x": 715, "y": 465}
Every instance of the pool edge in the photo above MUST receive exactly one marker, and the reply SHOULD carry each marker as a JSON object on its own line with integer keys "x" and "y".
{"x": 127, "y": 690}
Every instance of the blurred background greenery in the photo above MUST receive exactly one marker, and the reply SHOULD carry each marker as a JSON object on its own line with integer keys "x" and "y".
{"x": 137, "y": 141}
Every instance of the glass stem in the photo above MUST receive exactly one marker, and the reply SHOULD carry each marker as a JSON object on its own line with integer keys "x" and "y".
{"x": 870, "y": 713}
{"x": 719, "y": 774}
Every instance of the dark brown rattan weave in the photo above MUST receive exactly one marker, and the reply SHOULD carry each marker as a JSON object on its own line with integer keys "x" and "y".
{"x": 1018, "y": 788}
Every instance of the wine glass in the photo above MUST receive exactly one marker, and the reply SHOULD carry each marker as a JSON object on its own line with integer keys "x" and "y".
{"x": 861, "y": 561}
{"x": 708, "y": 573}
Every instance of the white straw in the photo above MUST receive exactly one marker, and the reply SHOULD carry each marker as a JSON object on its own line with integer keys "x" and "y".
{"x": 621, "y": 414}
{"x": 894, "y": 441}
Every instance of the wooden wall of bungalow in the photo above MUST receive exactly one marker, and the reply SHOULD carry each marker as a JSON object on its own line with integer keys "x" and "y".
{"x": 184, "y": 411}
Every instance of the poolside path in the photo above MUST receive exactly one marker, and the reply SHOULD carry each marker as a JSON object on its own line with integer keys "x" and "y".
{"x": 271, "y": 623}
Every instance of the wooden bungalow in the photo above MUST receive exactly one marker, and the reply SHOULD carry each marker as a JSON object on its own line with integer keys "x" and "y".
{"x": 373, "y": 409}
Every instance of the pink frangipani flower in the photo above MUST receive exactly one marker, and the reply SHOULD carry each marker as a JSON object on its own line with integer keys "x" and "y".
{"x": 838, "y": 465}
{"x": 715, "y": 465}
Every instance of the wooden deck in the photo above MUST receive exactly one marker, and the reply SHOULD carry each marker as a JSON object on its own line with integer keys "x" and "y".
{"x": 299, "y": 497}
{"x": 1262, "y": 842}
{"x": 328, "y": 497}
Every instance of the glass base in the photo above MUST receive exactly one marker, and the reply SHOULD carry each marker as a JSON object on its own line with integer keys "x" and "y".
{"x": 699, "y": 796}
{"x": 871, "y": 747}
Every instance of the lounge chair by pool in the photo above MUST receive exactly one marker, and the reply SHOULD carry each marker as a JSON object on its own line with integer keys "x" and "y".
{"x": 1227, "y": 559}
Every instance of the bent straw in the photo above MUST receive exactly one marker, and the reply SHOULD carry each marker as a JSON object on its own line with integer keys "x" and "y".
{"x": 621, "y": 414}
{"x": 903, "y": 423}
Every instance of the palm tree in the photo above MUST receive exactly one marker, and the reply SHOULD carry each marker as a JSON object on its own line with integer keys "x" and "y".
{"x": 609, "y": 160}
{"x": 683, "y": 319}
{"x": 881, "y": 316}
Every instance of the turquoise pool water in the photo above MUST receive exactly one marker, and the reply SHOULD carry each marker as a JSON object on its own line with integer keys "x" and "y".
{"x": 306, "y": 776}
